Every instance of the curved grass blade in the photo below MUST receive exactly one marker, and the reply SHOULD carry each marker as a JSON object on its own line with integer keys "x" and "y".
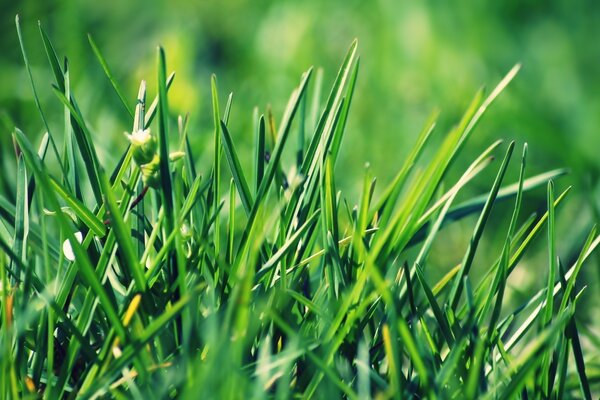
{"x": 21, "y": 218}
{"x": 440, "y": 316}
{"x": 86, "y": 216}
{"x": 110, "y": 76}
{"x": 152, "y": 110}
{"x": 35, "y": 94}
{"x": 52, "y": 58}
{"x": 217, "y": 162}
{"x": 84, "y": 142}
{"x": 341, "y": 125}
{"x": 485, "y": 213}
{"x": 259, "y": 156}
{"x": 415, "y": 355}
{"x": 163, "y": 143}
{"x": 236, "y": 169}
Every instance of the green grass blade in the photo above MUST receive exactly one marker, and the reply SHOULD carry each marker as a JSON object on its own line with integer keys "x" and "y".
{"x": 52, "y": 58}
{"x": 84, "y": 142}
{"x": 548, "y": 311}
{"x": 478, "y": 231}
{"x": 163, "y": 143}
{"x": 152, "y": 111}
{"x": 259, "y": 157}
{"x": 580, "y": 362}
{"x": 110, "y": 76}
{"x": 335, "y": 96}
{"x": 35, "y": 94}
{"x": 440, "y": 316}
{"x": 86, "y": 216}
{"x": 21, "y": 218}
{"x": 236, "y": 169}
{"x": 217, "y": 161}
{"x": 283, "y": 134}
{"x": 415, "y": 355}
{"x": 72, "y": 179}
{"x": 567, "y": 293}
{"x": 341, "y": 125}
{"x": 360, "y": 225}
{"x": 390, "y": 346}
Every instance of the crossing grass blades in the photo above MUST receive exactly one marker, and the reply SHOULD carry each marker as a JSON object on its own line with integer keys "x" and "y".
{"x": 154, "y": 278}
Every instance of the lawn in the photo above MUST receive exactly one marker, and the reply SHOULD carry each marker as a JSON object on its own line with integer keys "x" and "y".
{"x": 249, "y": 253}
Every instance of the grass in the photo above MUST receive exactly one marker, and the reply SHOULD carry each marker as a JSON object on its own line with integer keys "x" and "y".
{"x": 275, "y": 286}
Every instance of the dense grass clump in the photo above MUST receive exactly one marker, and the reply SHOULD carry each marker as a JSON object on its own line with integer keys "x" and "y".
{"x": 154, "y": 278}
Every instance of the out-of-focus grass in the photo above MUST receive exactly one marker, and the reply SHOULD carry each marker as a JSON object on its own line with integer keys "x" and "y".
{"x": 420, "y": 56}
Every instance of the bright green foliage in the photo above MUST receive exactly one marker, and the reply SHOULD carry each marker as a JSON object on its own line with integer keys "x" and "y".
{"x": 280, "y": 286}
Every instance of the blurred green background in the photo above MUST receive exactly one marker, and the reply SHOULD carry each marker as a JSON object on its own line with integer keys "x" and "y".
{"x": 415, "y": 57}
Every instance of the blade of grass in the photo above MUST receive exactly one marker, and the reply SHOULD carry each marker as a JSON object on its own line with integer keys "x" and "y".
{"x": 236, "y": 169}
{"x": 109, "y": 75}
{"x": 152, "y": 111}
{"x": 440, "y": 316}
{"x": 341, "y": 125}
{"x": 86, "y": 216}
{"x": 415, "y": 356}
{"x": 481, "y": 222}
{"x": 21, "y": 218}
{"x": 72, "y": 180}
{"x": 394, "y": 372}
{"x": 547, "y": 313}
{"x": 217, "y": 161}
{"x": 35, "y": 94}
{"x": 52, "y": 58}
{"x": 259, "y": 156}
{"x": 84, "y": 142}
{"x": 166, "y": 192}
